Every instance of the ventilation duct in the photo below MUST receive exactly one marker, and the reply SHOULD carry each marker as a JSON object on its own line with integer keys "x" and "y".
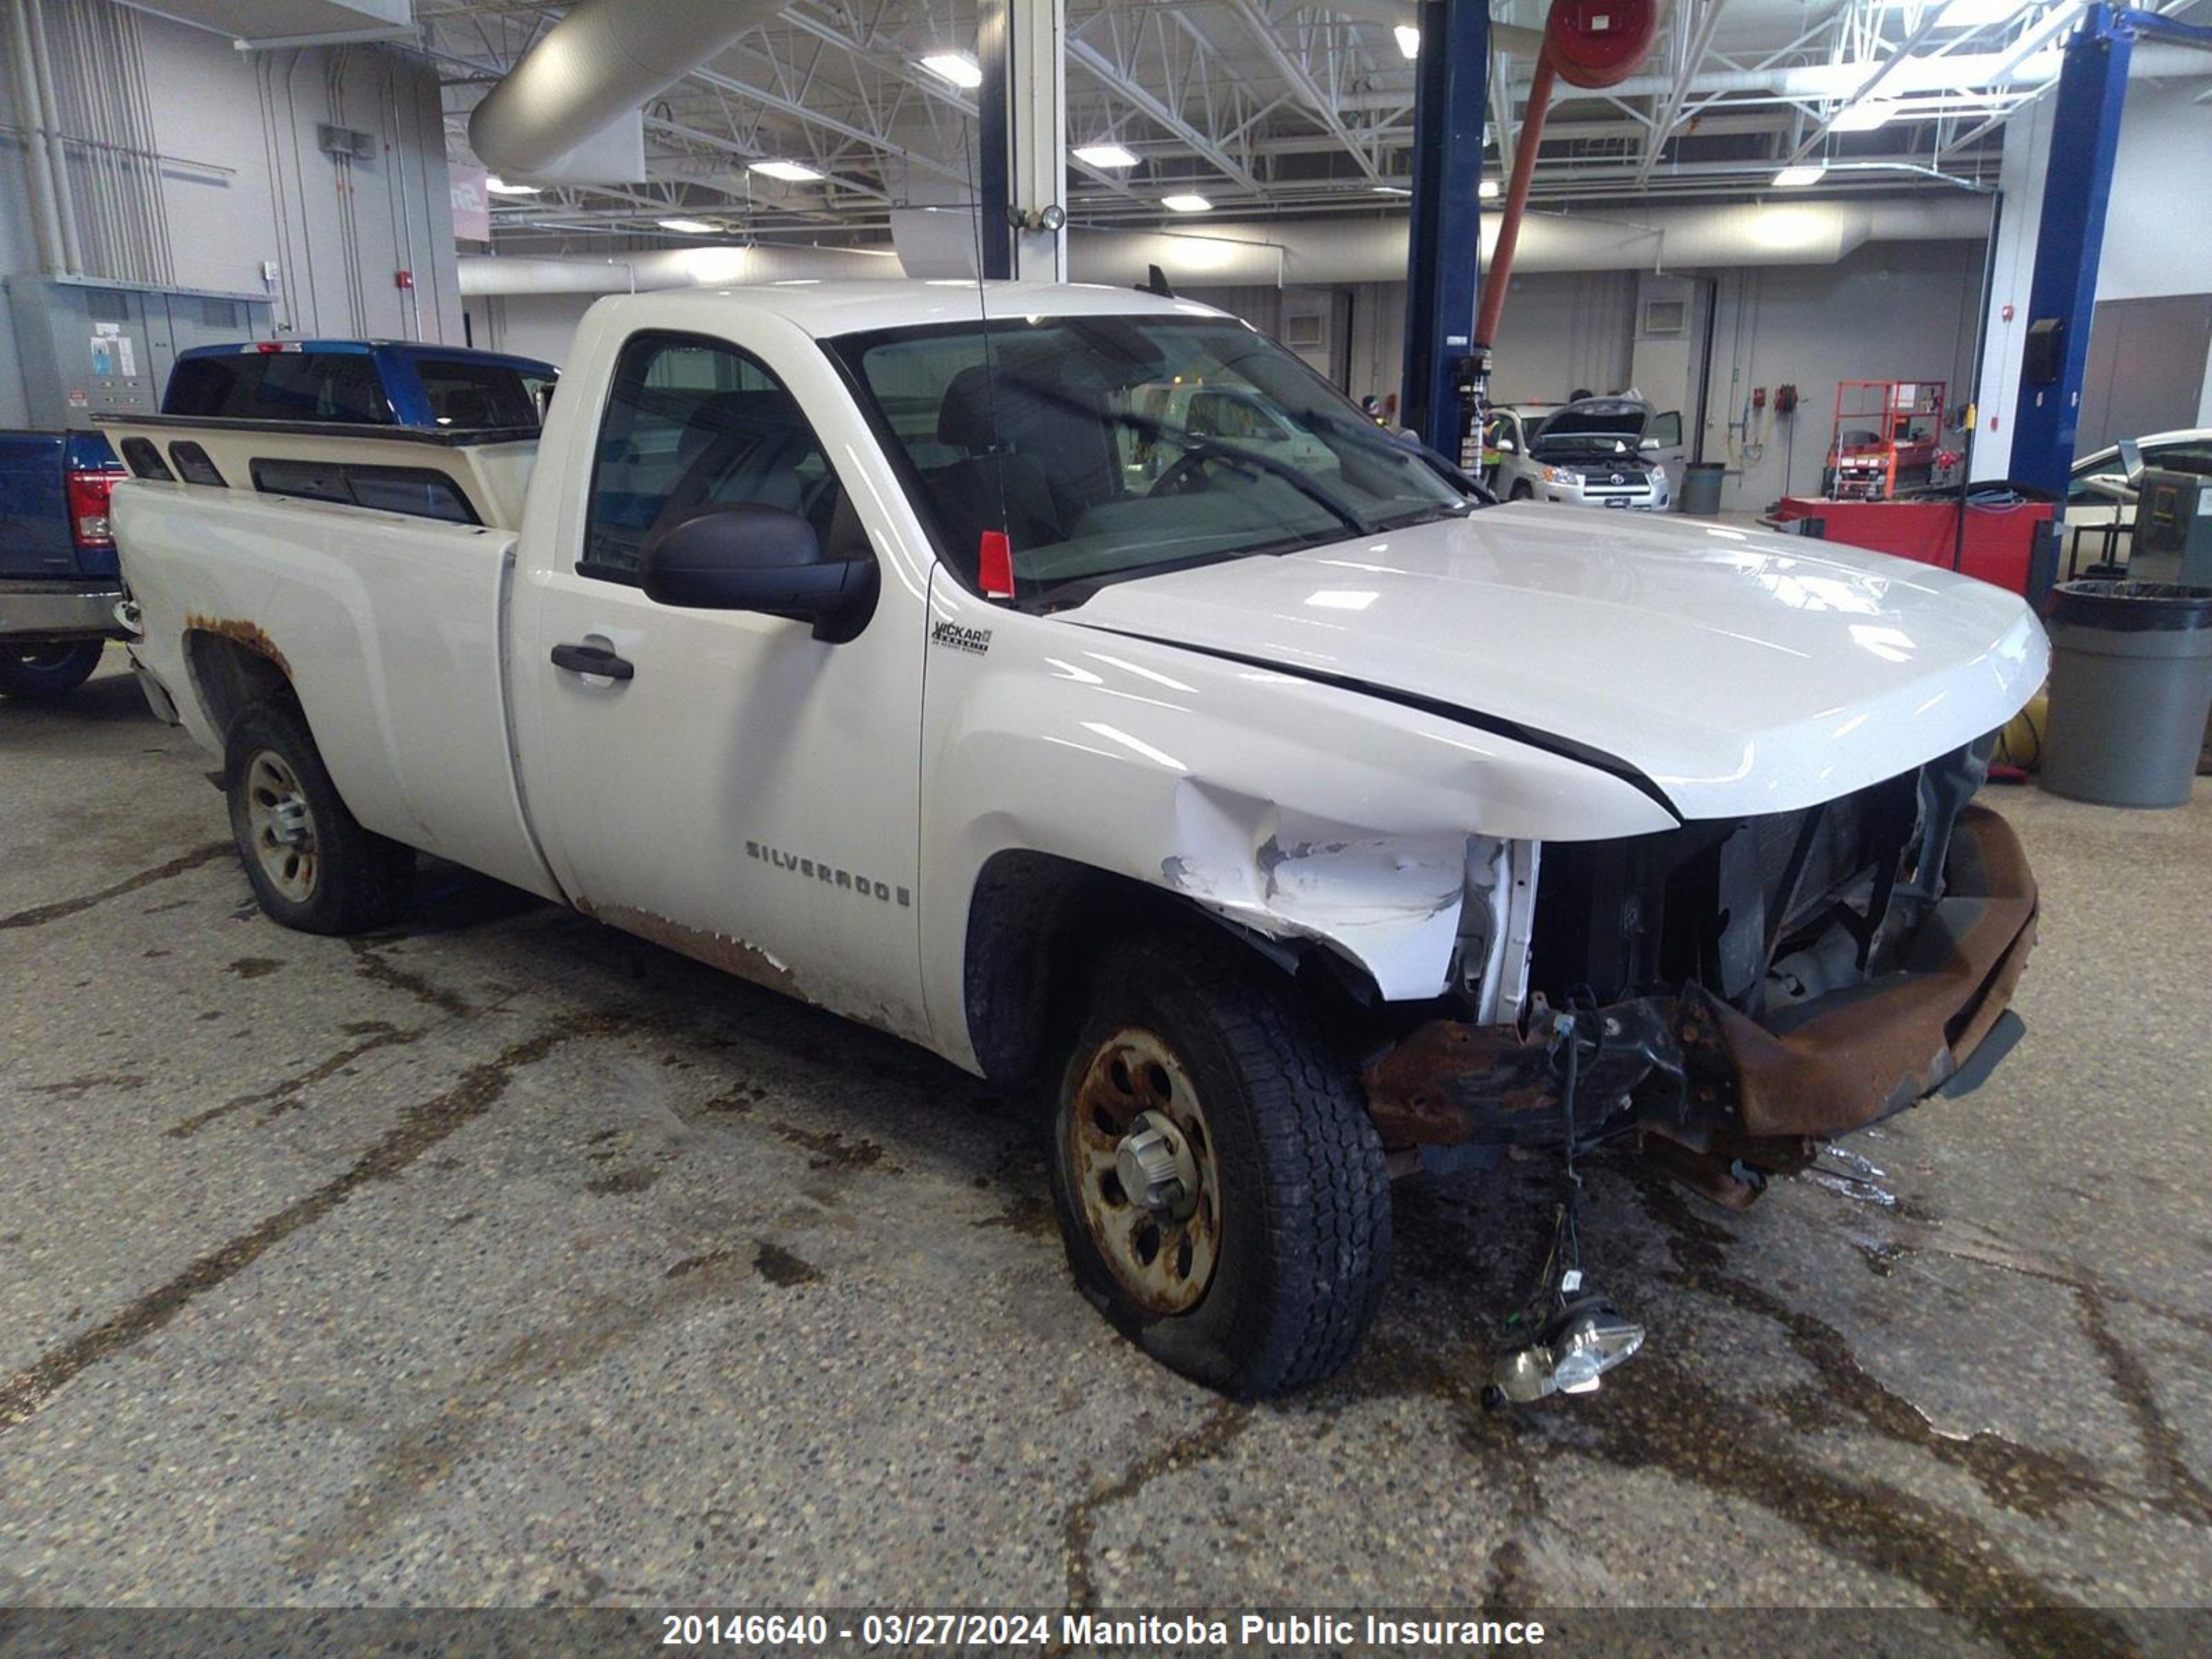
{"x": 675, "y": 267}
{"x": 601, "y": 62}
{"x": 1315, "y": 250}
{"x": 1649, "y": 239}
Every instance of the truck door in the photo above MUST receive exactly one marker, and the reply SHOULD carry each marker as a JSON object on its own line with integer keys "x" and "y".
{"x": 743, "y": 792}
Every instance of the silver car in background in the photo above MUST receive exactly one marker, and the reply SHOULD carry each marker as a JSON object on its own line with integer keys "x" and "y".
{"x": 1598, "y": 451}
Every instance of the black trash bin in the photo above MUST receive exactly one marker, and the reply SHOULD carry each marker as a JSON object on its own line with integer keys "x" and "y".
{"x": 1701, "y": 488}
{"x": 2130, "y": 690}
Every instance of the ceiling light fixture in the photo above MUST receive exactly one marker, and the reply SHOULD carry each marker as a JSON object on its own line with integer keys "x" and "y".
{"x": 1186, "y": 204}
{"x": 499, "y": 187}
{"x": 957, "y": 67}
{"x": 1793, "y": 177}
{"x": 688, "y": 227}
{"x": 792, "y": 172}
{"x": 1103, "y": 156}
{"x": 1488, "y": 190}
{"x": 1392, "y": 190}
{"x": 1409, "y": 41}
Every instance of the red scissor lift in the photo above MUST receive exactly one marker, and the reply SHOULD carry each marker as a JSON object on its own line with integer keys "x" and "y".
{"x": 1886, "y": 436}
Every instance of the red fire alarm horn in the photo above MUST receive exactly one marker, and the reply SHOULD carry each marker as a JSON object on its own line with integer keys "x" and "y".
{"x": 403, "y": 279}
{"x": 1598, "y": 43}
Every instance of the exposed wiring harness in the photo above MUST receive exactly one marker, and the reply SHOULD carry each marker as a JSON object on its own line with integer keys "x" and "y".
{"x": 1560, "y": 1276}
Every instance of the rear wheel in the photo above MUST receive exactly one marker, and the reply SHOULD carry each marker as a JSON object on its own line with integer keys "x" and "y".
{"x": 311, "y": 865}
{"x": 1221, "y": 1191}
{"x": 49, "y": 669}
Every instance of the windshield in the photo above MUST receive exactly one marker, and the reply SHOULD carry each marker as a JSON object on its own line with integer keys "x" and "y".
{"x": 1109, "y": 446}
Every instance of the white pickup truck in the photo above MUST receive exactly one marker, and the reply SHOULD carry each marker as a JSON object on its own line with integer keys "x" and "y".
{"x": 1280, "y": 829}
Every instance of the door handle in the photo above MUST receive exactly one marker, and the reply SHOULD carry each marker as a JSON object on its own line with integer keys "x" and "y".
{"x": 592, "y": 659}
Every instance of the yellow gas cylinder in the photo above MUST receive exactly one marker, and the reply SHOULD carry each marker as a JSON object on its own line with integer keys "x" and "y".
{"x": 2021, "y": 743}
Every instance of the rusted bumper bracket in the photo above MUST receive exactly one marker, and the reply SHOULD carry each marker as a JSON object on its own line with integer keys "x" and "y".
{"x": 1724, "y": 1087}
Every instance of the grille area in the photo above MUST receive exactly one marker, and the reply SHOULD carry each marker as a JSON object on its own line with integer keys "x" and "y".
{"x": 1710, "y": 903}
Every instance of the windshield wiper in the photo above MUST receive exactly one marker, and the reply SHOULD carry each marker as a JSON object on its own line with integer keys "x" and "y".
{"x": 1304, "y": 483}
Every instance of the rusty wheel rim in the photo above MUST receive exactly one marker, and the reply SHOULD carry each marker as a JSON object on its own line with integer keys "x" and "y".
{"x": 282, "y": 826}
{"x": 1163, "y": 1256}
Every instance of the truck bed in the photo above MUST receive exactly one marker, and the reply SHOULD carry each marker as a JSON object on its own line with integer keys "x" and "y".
{"x": 476, "y": 475}
{"x": 390, "y": 630}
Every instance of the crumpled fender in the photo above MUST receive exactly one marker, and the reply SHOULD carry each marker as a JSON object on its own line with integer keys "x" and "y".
{"x": 1301, "y": 811}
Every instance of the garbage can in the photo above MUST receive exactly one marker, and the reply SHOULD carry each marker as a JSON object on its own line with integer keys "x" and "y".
{"x": 1701, "y": 488}
{"x": 2130, "y": 689}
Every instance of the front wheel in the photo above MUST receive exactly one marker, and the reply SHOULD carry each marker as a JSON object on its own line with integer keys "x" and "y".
{"x": 48, "y": 671}
{"x": 1221, "y": 1191}
{"x": 311, "y": 865}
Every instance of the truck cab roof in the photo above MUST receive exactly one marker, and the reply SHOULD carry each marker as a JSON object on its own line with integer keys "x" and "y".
{"x": 408, "y": 348}
{"x": 826, "y": 310}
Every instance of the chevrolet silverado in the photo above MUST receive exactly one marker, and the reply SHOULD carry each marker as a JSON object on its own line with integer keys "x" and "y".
{"x": 1281, "y": 827}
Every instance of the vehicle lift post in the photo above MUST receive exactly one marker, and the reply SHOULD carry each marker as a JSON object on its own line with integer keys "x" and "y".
{"x": 1022, "y": 134}
{"x": 2085, "y": 141}
{"x": 1444, "y": 258}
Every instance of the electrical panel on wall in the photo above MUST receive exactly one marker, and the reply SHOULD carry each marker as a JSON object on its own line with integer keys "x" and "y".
{"x": 91, "y": 348}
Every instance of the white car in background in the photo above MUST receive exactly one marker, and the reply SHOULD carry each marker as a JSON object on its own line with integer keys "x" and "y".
{"x": 1596, "y": 452}
{"x": 2099, "y": 496}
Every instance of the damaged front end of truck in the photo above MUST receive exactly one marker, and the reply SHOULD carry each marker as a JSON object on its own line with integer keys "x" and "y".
{"x": 1728, "y": 995}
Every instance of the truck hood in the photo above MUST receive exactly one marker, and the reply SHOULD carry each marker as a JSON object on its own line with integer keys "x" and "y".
{"x": 1736, "y": 671}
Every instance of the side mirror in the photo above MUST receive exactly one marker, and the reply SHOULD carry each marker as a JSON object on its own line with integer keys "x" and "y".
{"x": 1506, "y": 447}
{"x": 749, "y": 557}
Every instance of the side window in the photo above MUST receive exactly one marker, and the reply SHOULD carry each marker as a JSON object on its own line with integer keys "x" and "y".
{"x": 146, "y": 461}
{"x": 2195, "y": 456}
{"x": 1665, "y": 430}
{"x": 280, "y": 386}
{"x": 193, "y": 466}
{"x": 691, "y": 423}
{"x": 419, "y": 492}
{"x": 476, "y": 395}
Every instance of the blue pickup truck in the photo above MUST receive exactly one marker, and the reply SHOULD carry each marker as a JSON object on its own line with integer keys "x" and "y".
{"x": 59, "y": 581}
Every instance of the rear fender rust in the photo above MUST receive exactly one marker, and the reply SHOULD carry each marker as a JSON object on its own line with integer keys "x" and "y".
{"x": 251, "y": 635}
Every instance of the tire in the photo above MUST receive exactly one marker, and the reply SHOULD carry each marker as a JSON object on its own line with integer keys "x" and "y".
{"x": 1267, "y": 1279}
{"x": 46, "y": 671}
{"x": 338, "y": 878}
{"x": 1522, "y": 491}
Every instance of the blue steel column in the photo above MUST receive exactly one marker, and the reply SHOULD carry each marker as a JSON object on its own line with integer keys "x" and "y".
{"x": 994, "y": 194}
{"x": 2085, "y": 138}
{"x": 1444, "y": 255}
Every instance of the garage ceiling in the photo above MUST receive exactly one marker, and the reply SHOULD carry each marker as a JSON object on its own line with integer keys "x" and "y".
{"x": 1270, "y": 109}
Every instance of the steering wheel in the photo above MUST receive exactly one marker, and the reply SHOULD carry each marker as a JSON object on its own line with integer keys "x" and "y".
{"x": 1188, "y": 474}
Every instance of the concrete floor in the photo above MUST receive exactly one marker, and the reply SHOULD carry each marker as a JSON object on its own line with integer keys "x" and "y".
{"x": 500, "y": 1258}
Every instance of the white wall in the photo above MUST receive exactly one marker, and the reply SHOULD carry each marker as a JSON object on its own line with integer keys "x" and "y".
{"x": 2156, "y": 217}
{"x": 1892, "y": 311}
{"x": 243, "y": 182}
{"x": 542, "y": 325}
{"x": 1561, "y": 332}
